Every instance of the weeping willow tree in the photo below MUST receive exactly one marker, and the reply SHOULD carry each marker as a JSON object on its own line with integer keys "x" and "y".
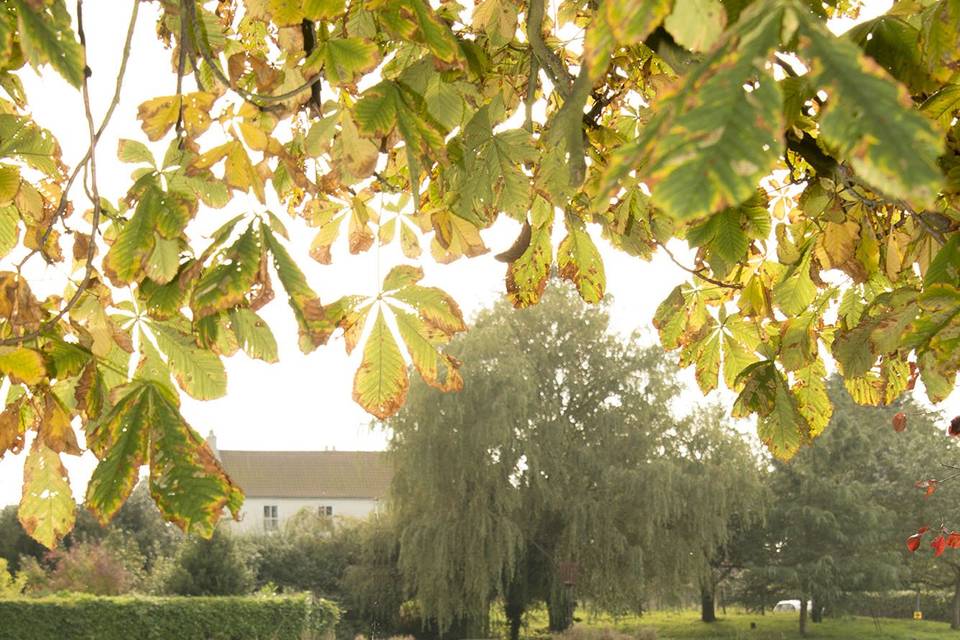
{"x": 559, "y": 473}
{"x": 724, "y": 494}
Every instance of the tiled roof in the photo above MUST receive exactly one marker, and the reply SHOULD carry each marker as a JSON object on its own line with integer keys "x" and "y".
{"x": 309, "y": 474}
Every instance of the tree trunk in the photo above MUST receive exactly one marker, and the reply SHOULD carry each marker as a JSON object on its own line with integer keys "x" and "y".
{"x": 513, "y": 608}
{"x": 803, "y": 615}
{"x": 560, "y": 608}
{"x": 515, "y": 618}
{"x": 955, "y": 618}
{"x": 708, "y": 612}
{"x": 816, "y": 613}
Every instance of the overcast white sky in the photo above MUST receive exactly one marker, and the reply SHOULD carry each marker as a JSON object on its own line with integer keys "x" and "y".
{"x": 303, "y": 402}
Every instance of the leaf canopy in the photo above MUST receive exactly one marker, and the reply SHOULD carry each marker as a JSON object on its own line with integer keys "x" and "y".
{"x": 808, "y": 181}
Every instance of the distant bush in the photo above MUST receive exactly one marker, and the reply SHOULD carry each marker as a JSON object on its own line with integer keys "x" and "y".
{"x": 107, "y": 568}
{"x": 583, "y": 632}
{"x": 84, "y": 617}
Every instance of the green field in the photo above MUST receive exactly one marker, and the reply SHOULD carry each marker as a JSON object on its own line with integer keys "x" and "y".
{"x": 684, "y": 625}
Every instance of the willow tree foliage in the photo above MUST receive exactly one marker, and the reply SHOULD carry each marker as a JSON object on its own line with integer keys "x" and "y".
{"x": 724, "y": 496}
{"x": 815, "y": 176}
{"x": 553, "y": 475}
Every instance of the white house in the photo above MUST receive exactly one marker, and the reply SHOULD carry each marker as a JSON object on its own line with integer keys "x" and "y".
{"x": 278, "y": 484}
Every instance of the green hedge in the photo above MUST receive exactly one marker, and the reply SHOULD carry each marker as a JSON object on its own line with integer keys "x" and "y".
{"x": 83, "y": 617}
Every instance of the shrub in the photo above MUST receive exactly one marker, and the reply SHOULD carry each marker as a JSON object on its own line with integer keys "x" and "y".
{"x": 107, "y": 568}
{"x": 310, "y": 554}
{"x": 84, "y": 617}
{"x": 213, "y": 567}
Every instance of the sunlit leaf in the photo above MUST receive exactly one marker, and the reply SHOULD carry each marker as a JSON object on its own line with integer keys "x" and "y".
{"x": 47, "y": 510}
{"x": 380, "y": 384}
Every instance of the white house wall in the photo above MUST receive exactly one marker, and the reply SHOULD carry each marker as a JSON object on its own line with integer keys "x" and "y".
{"x": 252, "y": 512}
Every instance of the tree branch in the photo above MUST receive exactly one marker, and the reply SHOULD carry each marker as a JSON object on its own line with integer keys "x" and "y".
{"x": 550, "y": 62}
{"x": 533, "y": 81}
{"x": 189, "y": 13}
{"x": 181, "y": 67}
{"x": 309, "y": 44}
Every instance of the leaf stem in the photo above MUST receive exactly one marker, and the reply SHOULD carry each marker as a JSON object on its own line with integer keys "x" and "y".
{"x": 699, "y": 272}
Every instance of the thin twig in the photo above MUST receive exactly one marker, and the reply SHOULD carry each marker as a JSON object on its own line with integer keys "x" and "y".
{"x": 533, "y": 81}
{"x": 62, "y": 205}
{"x": 699, "y": 272}
{"x": 181, "y": 67}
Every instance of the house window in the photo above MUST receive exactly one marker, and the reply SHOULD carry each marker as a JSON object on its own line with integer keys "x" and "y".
{"x": 270, "y": 520}
{"x": 325, "y": 510}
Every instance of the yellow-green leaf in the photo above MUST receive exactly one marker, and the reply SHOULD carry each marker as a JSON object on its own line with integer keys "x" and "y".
{"x": 22, "y": 365}
{"x": 47, "y": 510}
{"x": 869, "y": 118}
{"x": 726, "y": 135}
{"x": 380, "y": 384}
{"x": 46, "y": 37}
{"x": 696, "y": 24}
{"x": 579, "y": 261}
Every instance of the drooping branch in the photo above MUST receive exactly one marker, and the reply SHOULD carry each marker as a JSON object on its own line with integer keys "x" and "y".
{"x": 189, "y": 14}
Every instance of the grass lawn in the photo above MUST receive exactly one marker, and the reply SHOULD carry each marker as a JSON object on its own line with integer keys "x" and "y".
{"x": 684, "y": 625}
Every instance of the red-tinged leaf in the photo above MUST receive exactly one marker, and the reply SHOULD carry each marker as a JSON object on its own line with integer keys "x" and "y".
{"x": 900, "y": 422}
{"x": 913, "y": 542}
{"x": 928, "y": 486}
{"x": 938, "y": 544}
{"x": 953, "y": 540}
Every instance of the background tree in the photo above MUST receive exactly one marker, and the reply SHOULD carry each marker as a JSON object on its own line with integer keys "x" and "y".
{"x": 140, "y": 520}
{"x": 561, "y": 451}
{"x": 723, "y": 498}
{"x": 847, "y": 499}
{"x": 311, "y": 553}
{"x": 372, "y": 590}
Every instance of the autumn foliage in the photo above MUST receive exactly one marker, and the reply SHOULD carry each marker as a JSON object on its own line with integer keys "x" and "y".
{"x": 813, "y": 177}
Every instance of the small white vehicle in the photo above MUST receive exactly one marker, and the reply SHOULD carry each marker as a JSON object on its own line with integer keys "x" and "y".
{"x": 789, "y": 605}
